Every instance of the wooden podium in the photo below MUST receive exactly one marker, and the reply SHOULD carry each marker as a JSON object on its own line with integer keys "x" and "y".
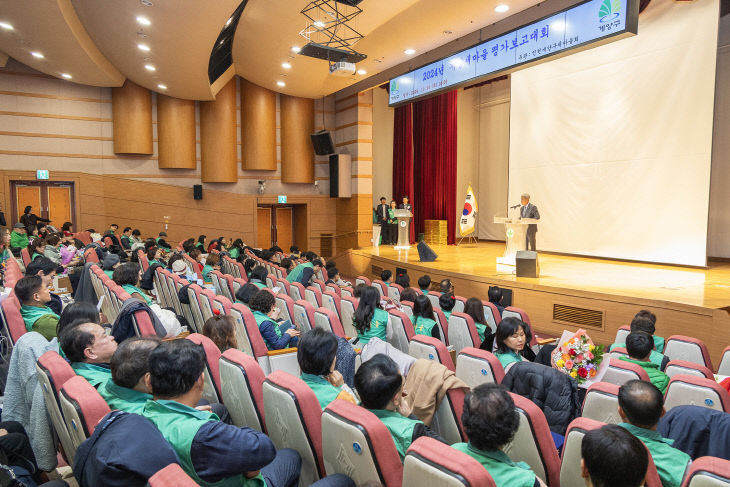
{"x": 515, "y": 230}
{"x": 404, "y": 221}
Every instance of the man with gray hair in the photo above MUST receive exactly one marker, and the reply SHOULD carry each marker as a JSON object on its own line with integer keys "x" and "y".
{"x": 528, "y": 210}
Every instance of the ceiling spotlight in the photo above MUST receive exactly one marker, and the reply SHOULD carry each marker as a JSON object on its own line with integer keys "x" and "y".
{"x": 37, "y": 54}
{"x": 280, "y": 83}
{"x": 149, "y": 67}
{"x": 66, "y": 76}
{"x": 162, "y": 87}
{"x": 296, "y": 49}
{"x": 409, "y": 51}
{"x": 6, "y": 26}
{"x": 502, "y": 8}
{"x": 361, "y": 71}
{"x": 143, "y": 20}
{"x": 286, "y": 65}
{"x": 319, "y": 24}
{"x": 146, "y": 3}
{"x": 143, "y": 47}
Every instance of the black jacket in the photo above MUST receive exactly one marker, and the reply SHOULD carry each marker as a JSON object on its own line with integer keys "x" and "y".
{"x": 697, "y": 431}
{"x": 553, "y": 392}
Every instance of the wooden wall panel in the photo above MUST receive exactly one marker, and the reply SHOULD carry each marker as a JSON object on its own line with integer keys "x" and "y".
{"x": 132, "y": 119}
{"x": 297, "y": 153}
{"x": 218, "y": 145}
{"x": 175, "y": 133}
{"x": 258, "y": 127}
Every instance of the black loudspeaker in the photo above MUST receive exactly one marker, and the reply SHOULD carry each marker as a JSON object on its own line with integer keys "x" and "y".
{"x": 527, "y": 265}
{"x": 322, "y": 142}
{"x": 197, "y": 191}
{"x": 425, "y": 254}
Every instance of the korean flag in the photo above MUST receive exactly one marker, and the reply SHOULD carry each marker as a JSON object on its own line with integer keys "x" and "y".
{"x": 468, "y": 216}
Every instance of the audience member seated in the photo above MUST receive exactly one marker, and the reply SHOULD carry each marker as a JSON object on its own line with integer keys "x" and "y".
{"x": 176, "y": 264}
{"x": 303, "y": 273}
{"x": 424, "y": 283}
{"x": 475, "y": 309}
{"x": 510, "y": 340}
{"x": 640, "y": 406}
{"x": 379, "y": 384}
{"x": 77, "y": 313}
{"x": 34, "y": 297}
{"x": 196, "y": 255}
{"x": 126, "y": 239}
{"x": 403, "y": 280}
{"x": 245, "y": 293}
{"x": 212, "y": 263}
{"x": 248, "y": 265}
{"x": 624, "y": 466}
{"x": 154, "y": 256}
{"x": 161, "y": 243}
{"x": 200, "y": 245}
{"x": 18, "y": 239}
{"x": 643, "y": 322}
{"x": 409, "y": 295}
{"x": 258, "y": 276}
{"x": 446, "y": 287}
{"x": 17, "y": 456}
{"x": 277, "y": 335}
{"x": 494, "y": 294}
{"x": 491, "y": 421}
{"x": 423, "y": 322}
{"x": 370, "y": 320}
{"x": 446, "y": 303}
{"x": 288, "y": 264}
{"x": 235, "y": 249}
{"x": 37, "y": 248}
{"x": 53, "y": 242}
{"x": 357, "y": 290}
{"x": 128, "y": 275}
{"x": 221, "y": 330}
{"x": 210, "y": 451}
{"x": 110, "y": 262}
{"x": 639, "y": 346}
{"x": 333, "y": 275}
{"x": 317, "y": 357}
{"x": 387, "y": 277}
{"x": 89, "y": 349}
{"x": 127, "y": 391}
{"x": 46, "y": 269}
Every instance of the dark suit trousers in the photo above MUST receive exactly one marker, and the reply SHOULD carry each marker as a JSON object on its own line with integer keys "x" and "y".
{"x": 530, "y": 240}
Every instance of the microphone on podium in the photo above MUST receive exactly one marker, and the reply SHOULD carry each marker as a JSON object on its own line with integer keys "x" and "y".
{"x": 513, "y": 207}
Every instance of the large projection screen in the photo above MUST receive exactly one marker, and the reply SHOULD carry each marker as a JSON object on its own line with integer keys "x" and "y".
{"x": 614, "y": 143}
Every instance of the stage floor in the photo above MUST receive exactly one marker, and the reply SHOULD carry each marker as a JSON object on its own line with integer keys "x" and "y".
{"x": 706, "y": 288}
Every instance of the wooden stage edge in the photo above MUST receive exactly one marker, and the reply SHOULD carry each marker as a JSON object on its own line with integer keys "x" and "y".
{"x": 573, "y": 292}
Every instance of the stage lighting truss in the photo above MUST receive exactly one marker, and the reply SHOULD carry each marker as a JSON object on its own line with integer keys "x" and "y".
{"x": 329, "y": 32}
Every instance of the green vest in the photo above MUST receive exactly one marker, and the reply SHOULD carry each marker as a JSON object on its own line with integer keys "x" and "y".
{"x": 658, "y": 343}
{"x": 655, "y": 357}
{"x": 42, "y": 318}
{"x": 109, "y": 273}
{"x": 179, "y": 424}
{"x": 325, "y": 392}
{"x": 481, "y": 330}
{"x": 18, "y": 240}
{"x": 507, "y": 358}
{"x": 671, "y": 464}
{"x": 400, "y": 427}
{"x": 35, "y": 256}
{"x": 656, "y": 376}
{"x": 129, "y": 288}
{"x": 94, "y": 374}
{"x": 378, "y": 328}
{"x": 425, "y": 292}
{"x": 260, "y": 318}
{"x": 234, "y": 252}
{"x": 206, "y": 272}
{"x": 127, "y": 400}
{"x": 504, "y": 471}
{"x": 447, "y": 314}
{"x": 259, "y": 285}
{"x": 424, "y": 326}
{"x": 296, "y": 273}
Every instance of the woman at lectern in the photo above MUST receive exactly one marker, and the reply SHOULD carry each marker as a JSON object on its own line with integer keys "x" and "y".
{"x": 392, "y": 223}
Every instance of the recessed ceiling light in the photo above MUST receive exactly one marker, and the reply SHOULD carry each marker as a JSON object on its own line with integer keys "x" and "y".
{"x": 6, "y": 26}
{"x": 143, "y": 47}
{"x": 149, "y": 67}
{"x": 409, "y": 51}
{"x": 162, "y": 87}
{"x": 143, "y": 20}
{"x": 37, "y": 54}
{"x": 280, "y": 83}
{"x": 319, "y": 24}
{"x": 286, "y": 65}
{"x": 66, "y": 76}
{"x": 502, "y": 8}
{"x": 296, "y": 49}
{"x": 361, "y": 71}
{"x": 146, "y": 3}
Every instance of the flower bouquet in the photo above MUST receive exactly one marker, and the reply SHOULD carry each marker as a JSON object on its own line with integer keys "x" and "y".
{"x": 577, "y": 356}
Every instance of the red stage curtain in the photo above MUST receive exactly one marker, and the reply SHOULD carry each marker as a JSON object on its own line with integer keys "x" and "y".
{"x": 403, "y": 157}
{"x": 434, "y": 169}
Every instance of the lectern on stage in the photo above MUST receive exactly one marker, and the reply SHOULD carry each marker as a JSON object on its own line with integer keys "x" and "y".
{"x": 404, "y": 225}
{"x": 515, "y": 232}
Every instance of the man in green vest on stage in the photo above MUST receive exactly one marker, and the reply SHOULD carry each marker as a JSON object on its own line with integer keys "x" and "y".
{"x": 641, "y": 405}
{"x": 89, "y": 349}
{"x": 34, "y": 297}
{"x": 211, "y": 452}
{"x": 127, "y": 391}
{"x": 491, "y": 421}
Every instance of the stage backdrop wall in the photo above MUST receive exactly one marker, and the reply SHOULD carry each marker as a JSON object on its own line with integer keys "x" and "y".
{"x": 614, "y": 143}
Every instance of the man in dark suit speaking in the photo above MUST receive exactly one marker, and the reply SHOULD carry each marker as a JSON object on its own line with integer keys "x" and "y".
{"x": 528, "y": 210}
{"x": 382, "y": 213}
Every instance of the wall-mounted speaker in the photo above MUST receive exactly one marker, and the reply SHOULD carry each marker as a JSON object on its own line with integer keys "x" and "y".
{"x": 197, "y": 191}
{"x": 322, "y": 142}
{"x": 340, "y": 176}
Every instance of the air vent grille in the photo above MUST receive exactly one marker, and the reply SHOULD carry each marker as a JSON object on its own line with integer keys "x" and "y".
{"x": 575, "y": 316}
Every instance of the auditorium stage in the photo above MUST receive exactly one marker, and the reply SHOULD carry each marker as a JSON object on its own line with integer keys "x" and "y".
{"x": 601, "y": 295}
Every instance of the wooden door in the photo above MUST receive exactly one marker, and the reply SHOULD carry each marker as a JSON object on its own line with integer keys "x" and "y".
{"x": 59, "y": 204}
{"x": 284, "y": 228}
{"x": 263, "y": 228}
{"x": 27, "y": 195}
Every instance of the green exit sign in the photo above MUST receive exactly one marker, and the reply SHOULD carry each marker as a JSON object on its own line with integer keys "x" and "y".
{"x": 282, "y": 199}
{"x": 41, "y": 174}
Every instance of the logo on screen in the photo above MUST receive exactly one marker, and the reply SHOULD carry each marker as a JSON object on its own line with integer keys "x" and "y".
{"x": 609, "y": 10}
{"x": 394, "y": 87}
